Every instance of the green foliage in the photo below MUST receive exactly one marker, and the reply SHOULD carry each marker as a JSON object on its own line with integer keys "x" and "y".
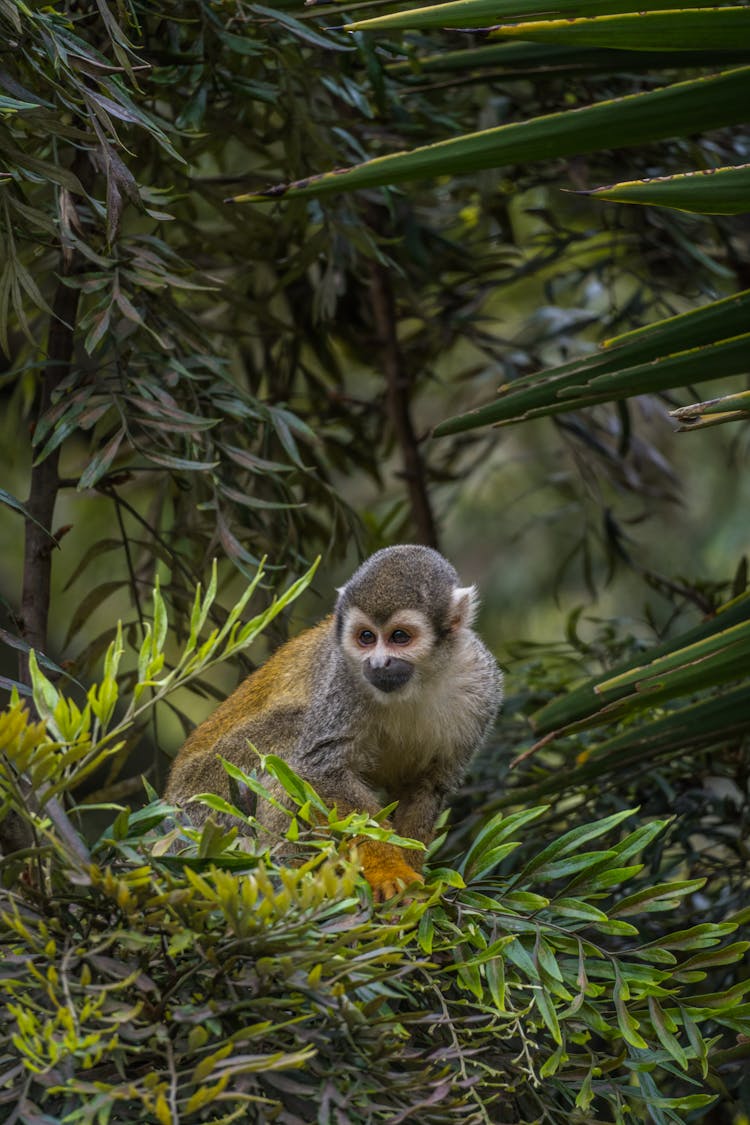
{"x": 708, "y": 103}
{"x": 212, "y": 373}
{"x": 690, "y": 693}
{"x": 686, "y": 35}
{"x": 164, "y": 974}
{"x": 170, "y": 401}
{"x": 713, "y": 191}
{"x": 145, "y": 985}
{"x": 222, "y": 380}
{"x": 652, "y": 358}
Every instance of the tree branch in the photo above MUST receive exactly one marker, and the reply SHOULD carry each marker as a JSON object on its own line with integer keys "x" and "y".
{"x": 398, "y": 382}
{"x": 45, "y": 481}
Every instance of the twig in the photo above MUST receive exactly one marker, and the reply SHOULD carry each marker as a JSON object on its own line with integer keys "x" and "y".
{"x": 533, "y": 749}
{"x": 398, "y": 384}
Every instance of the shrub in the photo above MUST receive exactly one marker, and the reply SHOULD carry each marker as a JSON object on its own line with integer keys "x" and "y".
{"x": 219, "y": 984}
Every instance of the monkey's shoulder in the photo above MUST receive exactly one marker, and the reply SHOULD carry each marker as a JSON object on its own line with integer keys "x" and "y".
{"x": 272, "y": 700}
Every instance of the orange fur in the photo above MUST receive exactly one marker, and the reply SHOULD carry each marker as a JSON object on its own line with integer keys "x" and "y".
{"x": 279, "y": 676}
{"x": 385, "y": 869}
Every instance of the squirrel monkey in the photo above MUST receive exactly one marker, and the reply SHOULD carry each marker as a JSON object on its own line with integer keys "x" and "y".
{"x": 385, "y": 700}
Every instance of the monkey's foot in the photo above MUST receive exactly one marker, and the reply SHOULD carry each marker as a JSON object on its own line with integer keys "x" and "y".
{"x": 385, "y": 869}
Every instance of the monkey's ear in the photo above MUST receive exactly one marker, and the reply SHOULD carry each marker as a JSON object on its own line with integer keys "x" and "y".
{"x": 464, "y": 606}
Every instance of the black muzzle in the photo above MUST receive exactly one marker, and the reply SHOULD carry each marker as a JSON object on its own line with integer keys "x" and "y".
{"x": 390, "y": 676}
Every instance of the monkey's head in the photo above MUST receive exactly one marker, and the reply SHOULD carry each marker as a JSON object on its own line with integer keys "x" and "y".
{"x": 400, "y": 616}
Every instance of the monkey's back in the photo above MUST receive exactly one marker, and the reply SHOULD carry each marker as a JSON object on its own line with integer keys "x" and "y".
{"x": 253, "y": 713}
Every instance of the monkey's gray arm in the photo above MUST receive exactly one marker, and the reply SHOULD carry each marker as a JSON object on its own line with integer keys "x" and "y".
{"x": 324, "y": 763}
{"x": 418, "y": 808}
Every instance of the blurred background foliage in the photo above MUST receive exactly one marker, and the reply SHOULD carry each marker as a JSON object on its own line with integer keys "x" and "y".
{"x": 183, "y": 378}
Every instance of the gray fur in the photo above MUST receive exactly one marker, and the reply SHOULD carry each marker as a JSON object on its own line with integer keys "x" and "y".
{"x": 359, "y": 747}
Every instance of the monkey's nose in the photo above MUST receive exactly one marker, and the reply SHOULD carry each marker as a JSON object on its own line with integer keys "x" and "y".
{"x": 389, "y": 674}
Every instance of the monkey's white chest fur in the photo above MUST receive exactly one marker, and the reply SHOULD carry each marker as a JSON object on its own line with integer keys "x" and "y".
{"x": 435, "y": 724}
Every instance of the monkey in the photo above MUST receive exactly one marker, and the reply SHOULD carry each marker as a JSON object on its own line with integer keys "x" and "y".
{"x": 386, "y": 699}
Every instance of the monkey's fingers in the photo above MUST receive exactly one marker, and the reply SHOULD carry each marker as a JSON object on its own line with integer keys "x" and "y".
{"x": 395, "y": 889}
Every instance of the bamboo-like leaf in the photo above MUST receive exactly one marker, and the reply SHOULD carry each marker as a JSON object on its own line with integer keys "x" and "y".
{"x": 570, "y": 865}
{"x": 702, "y": 936}
{"x": 546, "y": 59}
{"x": 665, "y": 1028}
{"x": 583, "y": 701}
{"x": 627, "y": 1022}
{"x": 11, "y": 502}
{"x": 492, "y": 842}
{"x": 676, "y": 30}
{"x": 547, "y": 1012}
{"x": 571, "y": 841}
{"x": 714, "y": 412}
{"x": 712, "y": 191}
{"x": 669, "y": 111}
{"x": 487, "y": 13}
{"x": 728, "y": 955}
{"x": 587, "y": 388}
{"x": 660, "y": 896}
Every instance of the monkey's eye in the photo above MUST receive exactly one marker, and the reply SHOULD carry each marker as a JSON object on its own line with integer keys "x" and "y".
{"x": 400, "y": 637}
{"x": 366, "y": 637}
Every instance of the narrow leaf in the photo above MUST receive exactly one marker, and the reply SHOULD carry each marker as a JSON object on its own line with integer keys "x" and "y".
{"x": 712, "y": 191}
{"x": 670, "y": 111}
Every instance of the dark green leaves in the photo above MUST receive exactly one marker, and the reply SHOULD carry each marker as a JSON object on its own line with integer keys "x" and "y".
{"x": 153, "y": 936}
{"x": 666, "y": 354}
{"x": 710, "y": 102}
{"x": 711, "y": 29}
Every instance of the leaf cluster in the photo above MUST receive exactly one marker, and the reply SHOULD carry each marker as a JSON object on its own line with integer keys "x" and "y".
{"x": 159, "y": 973}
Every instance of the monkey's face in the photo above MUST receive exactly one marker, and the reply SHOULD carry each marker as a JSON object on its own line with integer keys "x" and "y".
{"x": 387, "y": 653}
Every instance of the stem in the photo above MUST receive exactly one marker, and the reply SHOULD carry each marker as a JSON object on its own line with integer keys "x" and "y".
{"x": 398, "y": 384}
{"x": 45, "y": 483}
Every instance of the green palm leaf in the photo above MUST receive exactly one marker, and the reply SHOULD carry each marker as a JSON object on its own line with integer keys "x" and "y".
{"x": 704, "y": 103}
{"x": 712, "y": 191}
{"x": 667, "y": 354}
{"x": 486, "y": 13}
{"x": 676, "y": 30}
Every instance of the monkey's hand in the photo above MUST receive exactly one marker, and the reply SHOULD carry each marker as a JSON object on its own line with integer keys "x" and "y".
{"x": 385, "y": 869}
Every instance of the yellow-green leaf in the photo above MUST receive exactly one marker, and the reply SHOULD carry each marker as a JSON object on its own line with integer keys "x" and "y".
{"x": 677, "y": 30}
{"x": 712, "y": 191}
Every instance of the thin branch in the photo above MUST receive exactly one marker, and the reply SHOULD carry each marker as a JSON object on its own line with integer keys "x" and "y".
{"x": 45, "y": 478}
{"x": 45, "y": 483}
{"x": 398, "y": 383}
{"x": 533, "y": 749}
